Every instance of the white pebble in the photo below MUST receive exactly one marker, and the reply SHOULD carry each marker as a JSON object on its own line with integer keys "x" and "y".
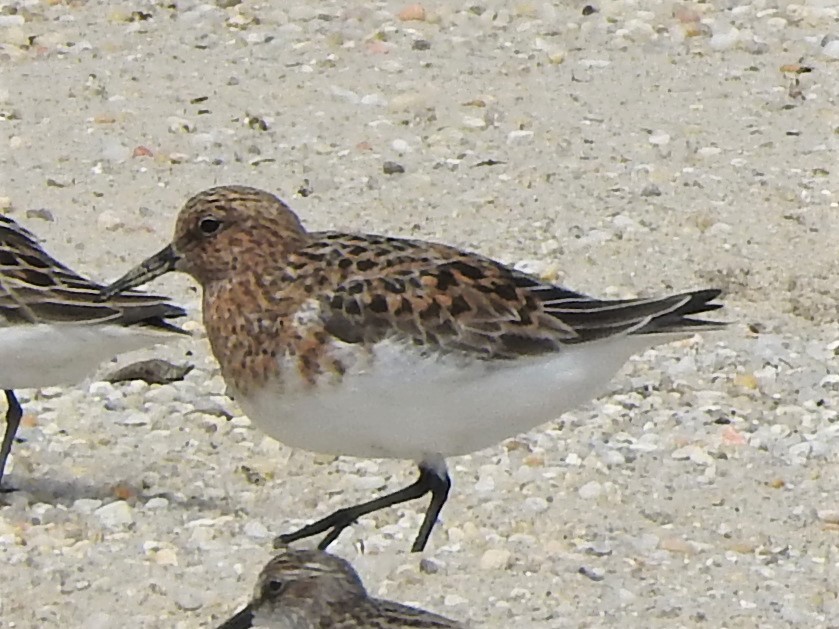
{"x": 828, "y": 515}
{"x": 374, "y": 100}
{"x": 519, "y": 137}
{"x": 256, "y": 530}
{"x": 831, "y": 49}
{"x": 86, "y": 505}
{"x": 776, "y": 23}
{"x": 536, "y": 504}
{"x": 495, "y": 559}
{"x": 709, "y": 151}
{"x": 573, "y": 459}
{"x": 188, "y": 600}
{"x": 473, "y": 122}
{"x": 400, "y": 146}
{"x": 485, "y": 484}
{"x": 115, "y": 515}
{"x": 590, "y": 490}
{"x": 109, "y": 221}
{"x": 368, "y": 482}
{"x": 800, "y": 450}
{"x": 134, "y": 419}
{"x": 166, "y": 557}
{"x": 157, "y": 503}
{"x": 101, "y": 389}
{"x": 180, "y": 125}
{"x": 724, "y": 40}
{"x": 659, "y": 138}
{"x": 11, "y": 20}
{"x": 453, "y": 600}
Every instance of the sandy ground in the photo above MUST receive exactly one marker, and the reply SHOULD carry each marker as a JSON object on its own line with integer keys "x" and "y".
{"x": 644, "y": 148}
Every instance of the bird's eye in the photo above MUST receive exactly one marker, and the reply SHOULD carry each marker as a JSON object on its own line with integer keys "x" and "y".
{"x": 275, "y": 587}
{"x": 209, "y": 225}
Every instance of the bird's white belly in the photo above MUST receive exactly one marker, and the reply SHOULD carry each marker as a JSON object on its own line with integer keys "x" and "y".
{"x": 43, "y": 355}
{"x": 404, "y": 406}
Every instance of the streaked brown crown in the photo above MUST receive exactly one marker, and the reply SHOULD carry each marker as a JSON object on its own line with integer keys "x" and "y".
{"x": 220, "y": 228}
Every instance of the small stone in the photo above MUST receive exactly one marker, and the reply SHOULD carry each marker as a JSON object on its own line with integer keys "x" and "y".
{"x": 831, "y": 49}
{"x": 473, "y": 122}
{"x": 412, "y": 12}
{"x": 14, "y": 35}
{"x": 519, "y": 136}
{"x": 421, "y": 44}
{"x": 709, "y": 151}
{"x": 536, "y": 504}
{"x": 153, "y": 371}
{"x": 188, "y": 601}
{"x": 429, "y": 566}
{"x": 256, "y": 530}
{"x": 180, "y": 125}
{"x": 659, "y": 138}
{"x": 109, "y": 221}
{"x": 724, "y": 40}
{"x": 157, "y": 503}
{"x": 651, "y": 190}
{"x": 590, "y": 490}
{"x": 86, "y": 505}
{"x": 746, "y": 381}
{"x": 392, "y": 168}
{"x": 134, "y": 419}
{"x": 41, "y": 213}
{"x": 166, "y": 557}
{"x": 495, "y": 559}
{"x": 595, "y": 574}
{"x": 485, "y": 484}
{"x": 677, "y": 545}
{"x": 400, "y": 146}
{"x": 7, "y": 21}
{"x": 115, "y": 515}
{"x": 828, "y": 515}
{"x": 453, "y": 600}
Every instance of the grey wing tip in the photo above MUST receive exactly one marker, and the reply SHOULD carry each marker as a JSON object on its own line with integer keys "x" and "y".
{"x": 680, "y": 319}
{"x": 169, "y": 311}
{"x": 154, "y": 313}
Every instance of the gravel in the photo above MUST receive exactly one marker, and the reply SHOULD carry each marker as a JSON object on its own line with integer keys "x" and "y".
{"x": 631, "y": 147}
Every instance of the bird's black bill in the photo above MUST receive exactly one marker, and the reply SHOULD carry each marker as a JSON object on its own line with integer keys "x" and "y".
{"x": 242, "y": 620}
{"x": 155, "y": 266}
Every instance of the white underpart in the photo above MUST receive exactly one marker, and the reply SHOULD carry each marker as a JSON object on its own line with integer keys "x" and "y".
{"x": 401, "y": 405}
{"x": 43, "y": 354}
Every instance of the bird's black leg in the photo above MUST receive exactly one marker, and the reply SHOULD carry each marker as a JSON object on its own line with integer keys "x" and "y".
{"x": 439, "y": 493}
{"x": 13, "y": 415}
{"x": 429, "y": 481}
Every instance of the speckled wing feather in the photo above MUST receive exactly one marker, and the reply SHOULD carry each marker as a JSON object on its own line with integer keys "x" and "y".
{"x": 36, "y": 288}
{"x": 392, "y": 615}
{"x": 442, "y": 298}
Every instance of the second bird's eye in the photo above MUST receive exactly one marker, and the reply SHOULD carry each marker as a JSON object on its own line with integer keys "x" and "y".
{"x": 275, "y": 587}
{"x": 209, "y": 225}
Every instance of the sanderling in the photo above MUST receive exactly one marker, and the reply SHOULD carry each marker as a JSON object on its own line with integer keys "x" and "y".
{"x": 54, "y": 327}
{"x": 373, "y": 346}
{"x": 310, "y": 589}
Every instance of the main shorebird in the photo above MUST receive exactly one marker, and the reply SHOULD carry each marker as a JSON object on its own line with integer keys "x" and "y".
{"x": 54, "y": 327}
{"x": 372, "y": 346}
